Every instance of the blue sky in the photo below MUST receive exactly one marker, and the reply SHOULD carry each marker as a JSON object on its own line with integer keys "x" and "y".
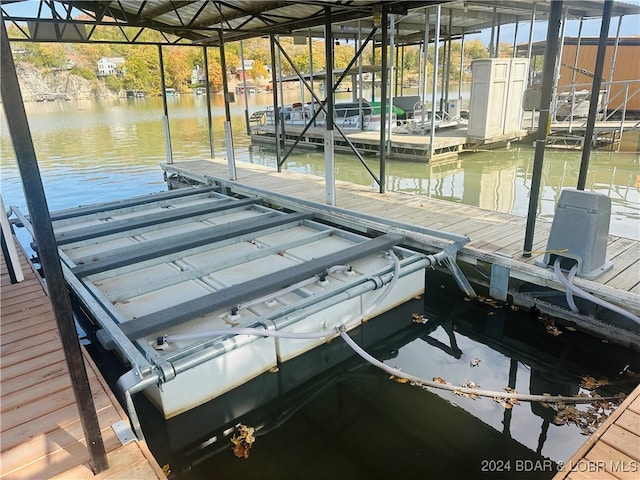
{"x": 591, "y": 28}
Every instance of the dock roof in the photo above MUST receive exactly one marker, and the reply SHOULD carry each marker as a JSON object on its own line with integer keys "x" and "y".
{"x": 200, "y": 21}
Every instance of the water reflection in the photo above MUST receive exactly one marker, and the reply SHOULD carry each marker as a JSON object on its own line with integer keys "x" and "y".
{"x": 328, "y": 414}
{"x": 121, "y": 141}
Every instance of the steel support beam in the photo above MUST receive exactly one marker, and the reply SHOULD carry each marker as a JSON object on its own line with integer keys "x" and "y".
{"x": 229, "y": 297}
{"x": 228, "y": 134}
{"x": 595, "y": 94}
{"x": 157, "y": 248}
{"x": 43, "y": 233}
{"x": 550, "y": 52}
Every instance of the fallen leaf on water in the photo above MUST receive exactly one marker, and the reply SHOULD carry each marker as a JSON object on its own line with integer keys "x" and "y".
{"x": 440, "y": 380}
{"x": 475, "y": 362}
{"x": 553, "y": 330}
{"x": 242, "y": 441}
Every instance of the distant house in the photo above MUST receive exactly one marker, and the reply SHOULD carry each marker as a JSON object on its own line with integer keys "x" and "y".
{"x": 197, "y": 76}
{"x": 243, "y": 71}
{"x": 110, "y": 66}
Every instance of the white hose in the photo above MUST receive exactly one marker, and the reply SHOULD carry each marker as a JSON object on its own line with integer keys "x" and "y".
{"x": 471, "y": 391}
{"x": 568, "y": 293}
{"x": 302, "y": 335}
{"x": 342, "y": 331}
{"x": 581, "y": 293}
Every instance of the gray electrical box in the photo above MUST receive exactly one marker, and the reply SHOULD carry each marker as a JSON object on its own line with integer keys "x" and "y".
{"x": 579, "y": 233}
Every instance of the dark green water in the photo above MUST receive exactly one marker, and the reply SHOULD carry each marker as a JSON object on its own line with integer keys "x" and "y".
{"x": 329, "y": 414}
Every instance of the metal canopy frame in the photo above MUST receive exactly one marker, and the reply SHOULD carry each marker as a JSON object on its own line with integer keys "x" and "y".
{"x": 200, "y": 21}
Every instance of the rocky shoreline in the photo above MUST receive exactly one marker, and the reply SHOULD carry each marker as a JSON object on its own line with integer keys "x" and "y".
{"x": 37, "y": 85}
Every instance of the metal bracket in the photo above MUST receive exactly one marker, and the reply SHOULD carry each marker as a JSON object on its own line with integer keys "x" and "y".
{"x": 123, "y": 431}
{"x": 499, "y": 283}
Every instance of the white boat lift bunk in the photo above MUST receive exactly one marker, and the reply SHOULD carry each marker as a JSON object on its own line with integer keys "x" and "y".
{"x": 199, "y": 292}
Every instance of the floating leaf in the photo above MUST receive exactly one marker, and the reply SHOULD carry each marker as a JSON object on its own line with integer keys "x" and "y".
{"x": 553, "y": 330}
{"x": 243, "y": 440}
{"x": 440, "y": 380}
{"x": 475, "y": 362}
{"x": 418, "y": 318}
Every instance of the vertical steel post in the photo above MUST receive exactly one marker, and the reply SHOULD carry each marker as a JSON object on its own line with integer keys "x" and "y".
{"x": 574, "y": 74}
{"x": 515, "y": 40}
{"x": 529, "y": 50}
{"x": 392, "y": 78}
{"x": 48, "y": 252}
{"x": 613, "y": 67}
{"x": 550, "y": 52}
{"x": 208, "y": 96}
{"x": 165, "y": 109}
{"x": 461, "y": 71}
{"x": 228, "y": 134}
{"x": 595, "y": 93}
{"x": 448, "y": 61}
{"x": 274, "y": 95}
{"x": 244, "y": 88}
{"x": 313, "y": 103}
{"x": 329, "y": 156}
{"x": 425, "y": 53}
{"x": 558, "y": 66}
{"x": 383, "y": 99}
{"x": 492, "y": 42}
{"x": 436, "y": 41}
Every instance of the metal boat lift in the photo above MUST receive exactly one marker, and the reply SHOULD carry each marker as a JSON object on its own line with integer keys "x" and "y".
{"x": 200, "y": 291}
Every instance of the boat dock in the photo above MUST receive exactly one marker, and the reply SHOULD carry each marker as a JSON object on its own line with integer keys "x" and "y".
{"x": 606, "y": 134}
{"x": 42, "y": 435}
{"x": 613, "y": 451}
{"x": 448, "y": 142}
{"x": 495, "y": 238}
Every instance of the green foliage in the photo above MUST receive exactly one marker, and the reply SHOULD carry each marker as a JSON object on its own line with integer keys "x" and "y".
{"x": 84, "y": 72}
{"x": 113, "y": 83}
{"x": 142, "y": 69}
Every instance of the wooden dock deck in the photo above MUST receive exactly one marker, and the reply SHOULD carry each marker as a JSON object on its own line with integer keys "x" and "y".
{"x": 447, "y": 141}
{"x": 613, "y": 451}
{"x": 41, "y": 434}
{"x": 495, "y": 238}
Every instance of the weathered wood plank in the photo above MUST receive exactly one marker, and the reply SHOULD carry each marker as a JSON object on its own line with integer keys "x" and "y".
{"x": 24, "y": 396}
{"x": 58, "y": 450}
{"x": 32, "y": 318}
{"x": 23, "y": 432}
{"x": 605, "y": 458}
{"x": 36, "y": 363}
{"x": 42, "y": 333}
{"x": 33, "y": 377}
{"x": 124, "y": 464}
{"x": 623, "y": 440}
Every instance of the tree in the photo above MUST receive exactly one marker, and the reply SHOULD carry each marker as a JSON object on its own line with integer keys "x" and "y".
{"x": 258, "y": 70}
{"x": 475, "y": 49}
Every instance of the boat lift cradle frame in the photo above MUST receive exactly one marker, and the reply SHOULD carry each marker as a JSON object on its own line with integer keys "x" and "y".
{"x": 148, "y": 367}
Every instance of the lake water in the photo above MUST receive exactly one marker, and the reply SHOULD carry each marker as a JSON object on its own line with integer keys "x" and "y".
{"x": 352, "y": 421}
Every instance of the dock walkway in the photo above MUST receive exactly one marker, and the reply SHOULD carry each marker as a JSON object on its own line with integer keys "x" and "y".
{"x": 448, "y": 142}
{"x": 613, "y": 451}
{"x": 41, "y": 434}
{"x": 495, "y": 238}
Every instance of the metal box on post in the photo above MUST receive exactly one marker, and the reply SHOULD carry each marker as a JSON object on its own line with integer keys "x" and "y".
{"x": 579, "y": 233}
